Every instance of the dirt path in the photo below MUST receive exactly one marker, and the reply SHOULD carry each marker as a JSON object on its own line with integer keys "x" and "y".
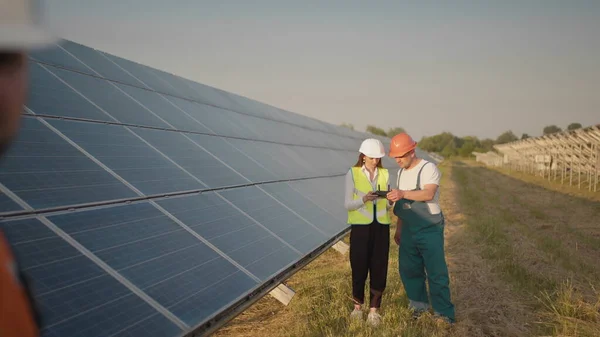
{"x": 485, "y": 305}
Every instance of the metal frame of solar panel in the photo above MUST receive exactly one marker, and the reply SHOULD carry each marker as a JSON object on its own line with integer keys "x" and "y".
{"x": 142, "y": 203}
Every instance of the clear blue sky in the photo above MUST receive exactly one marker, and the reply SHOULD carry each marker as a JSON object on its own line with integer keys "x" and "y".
{"x": 468, "y": 67}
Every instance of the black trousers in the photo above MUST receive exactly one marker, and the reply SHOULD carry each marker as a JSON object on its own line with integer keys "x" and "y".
{"x": 369, "y": 253}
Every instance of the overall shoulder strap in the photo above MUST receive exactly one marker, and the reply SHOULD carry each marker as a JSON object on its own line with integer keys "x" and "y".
{"x": 419, "y": 176}
{"x": 398, "y": 178}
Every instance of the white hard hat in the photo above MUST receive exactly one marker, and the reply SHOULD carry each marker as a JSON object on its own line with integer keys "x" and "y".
{"x": 372, "y": 147}
{"x": 20, "y": 27}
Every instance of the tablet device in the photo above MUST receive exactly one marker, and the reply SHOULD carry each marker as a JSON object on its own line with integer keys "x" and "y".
{"x": 382, "y": 194}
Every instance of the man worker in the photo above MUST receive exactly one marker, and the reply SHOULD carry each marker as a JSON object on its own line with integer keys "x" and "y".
{"x": 420, "y": 230}
{"x": 19, "y": 33}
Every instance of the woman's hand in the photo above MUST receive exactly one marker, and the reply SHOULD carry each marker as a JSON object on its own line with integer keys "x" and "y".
{"x": 369, "y": 197}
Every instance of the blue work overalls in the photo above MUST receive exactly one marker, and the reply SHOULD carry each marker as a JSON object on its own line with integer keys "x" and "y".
{"x": 421, "y": 254}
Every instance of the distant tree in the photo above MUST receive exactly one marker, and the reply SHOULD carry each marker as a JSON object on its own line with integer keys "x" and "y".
{"x": 394, "y": 131}
{"x": 376, "y": 131}
{"x": 525, "y": 136}
{"x": 487, "y": 145}
{"x": 466, "y": 150}
{"x": 574, "y": 126}
{"x": 506, "y": 137}
{"x": 551, "y": 129}
{"x": 348, "y": 125}
{"x": 437, "y": 143}
{"x": 450, "y": 150}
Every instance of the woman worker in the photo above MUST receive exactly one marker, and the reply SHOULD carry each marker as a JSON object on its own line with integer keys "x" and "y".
{"x": 370, "y": 232}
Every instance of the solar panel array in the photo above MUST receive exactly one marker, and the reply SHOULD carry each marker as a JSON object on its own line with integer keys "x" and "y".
{"x": 573, "y": 157}
{"x": 141, "y": 203}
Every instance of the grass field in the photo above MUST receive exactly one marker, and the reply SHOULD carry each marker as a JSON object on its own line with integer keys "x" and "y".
{"x": 523, "y": 255}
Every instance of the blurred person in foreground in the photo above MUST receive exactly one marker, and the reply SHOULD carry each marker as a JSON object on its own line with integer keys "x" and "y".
{"x": 370, "y": 221}
{"x": 19, "y": 32}
{"x": 420, "y": 230}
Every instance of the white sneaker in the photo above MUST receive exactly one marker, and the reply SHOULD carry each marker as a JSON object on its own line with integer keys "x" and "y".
{"x": 374, "y": 318}
{"x": 356, "y": 314}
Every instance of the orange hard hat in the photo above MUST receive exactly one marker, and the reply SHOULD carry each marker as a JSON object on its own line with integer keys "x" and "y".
{"x": 401, "y": 144}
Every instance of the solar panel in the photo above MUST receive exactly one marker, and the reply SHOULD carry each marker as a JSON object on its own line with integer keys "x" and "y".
{"x": 142, "y": 203}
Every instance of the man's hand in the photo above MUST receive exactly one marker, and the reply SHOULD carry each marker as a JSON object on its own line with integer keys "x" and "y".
{"x": 395, "y": 195}
{"x": 369, "y": 197}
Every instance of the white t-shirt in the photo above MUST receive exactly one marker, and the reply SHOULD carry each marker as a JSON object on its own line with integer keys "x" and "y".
{"x": 429, "y": 175}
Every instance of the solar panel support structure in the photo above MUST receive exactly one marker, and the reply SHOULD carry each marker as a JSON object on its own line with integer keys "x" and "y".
{"x": 341, "y": 247}
{"x": 283, "y": 294}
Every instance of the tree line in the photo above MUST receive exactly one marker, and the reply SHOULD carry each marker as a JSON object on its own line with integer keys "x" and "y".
{"x": 449, "y": 145}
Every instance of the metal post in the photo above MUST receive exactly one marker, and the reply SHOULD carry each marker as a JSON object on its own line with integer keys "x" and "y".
{"x": 579, "y": 167}
{"x": 571, "y": 166}
{"x": 597, "y": 154}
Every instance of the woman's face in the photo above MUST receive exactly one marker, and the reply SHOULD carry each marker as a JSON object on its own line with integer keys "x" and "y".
{"x": 371, "y": 162}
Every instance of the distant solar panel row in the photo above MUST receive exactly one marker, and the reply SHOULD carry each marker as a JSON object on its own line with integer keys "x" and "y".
{"x": 99, "y": 195}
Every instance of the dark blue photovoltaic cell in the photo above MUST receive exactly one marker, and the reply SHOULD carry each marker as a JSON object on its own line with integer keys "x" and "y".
{"x": 276, "y": 158}
{"x": 223, "y": 122}
{"x": 324, "y": 161}
{"x": 164, "y": 109}
{"x": 349, "y": 158}
{"x": 236, "y": 235}
{"x": 253, "y": 107}
{"x": 100, "y": 64}
{"x": 392, "y": 167}
{"x": 344, "y": 160}
{"x": 304, "y": 166}
{"x": 128, "y": 156}
{"x": 144, "y": 74}
{"x": 57, "y": 56}
{"x": 311, "y": 210}
{"x": 242, "y": 162}
{"x": 327, "y": 192}
{"x": 71, "y": 291}
{"x": 285, "y": 134}
{"x": 192, "y": 158}
{"x": 45, "y": 171}
{"x": 6, "y": 204}
{"x": 276, "y": 218}
{"x": 300, "y": 136}
{"x": 110, "y": 99}
{"x": 160, "y": 257}
{"x": 209, "y": 95}
{"x": 50, "y": 96}
{"x": 181, "y": 88}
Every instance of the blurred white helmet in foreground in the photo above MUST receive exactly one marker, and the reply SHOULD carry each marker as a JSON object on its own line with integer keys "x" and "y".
{"x": 20, "y": 26}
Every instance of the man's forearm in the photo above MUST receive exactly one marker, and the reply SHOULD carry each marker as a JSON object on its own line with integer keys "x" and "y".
{"x": 422, "y": 195}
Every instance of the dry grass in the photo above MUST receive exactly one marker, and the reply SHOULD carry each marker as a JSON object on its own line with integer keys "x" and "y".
{"x": 545, "y": 267}
{"x": 552, "y": 184}
{"x": 515, "y": 262}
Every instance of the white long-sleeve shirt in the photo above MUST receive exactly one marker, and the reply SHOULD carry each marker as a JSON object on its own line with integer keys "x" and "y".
{"x": 352, "y": 204}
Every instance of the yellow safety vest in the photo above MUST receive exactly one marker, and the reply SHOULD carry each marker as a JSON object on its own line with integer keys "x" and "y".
{"x": 362, "y": 186}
